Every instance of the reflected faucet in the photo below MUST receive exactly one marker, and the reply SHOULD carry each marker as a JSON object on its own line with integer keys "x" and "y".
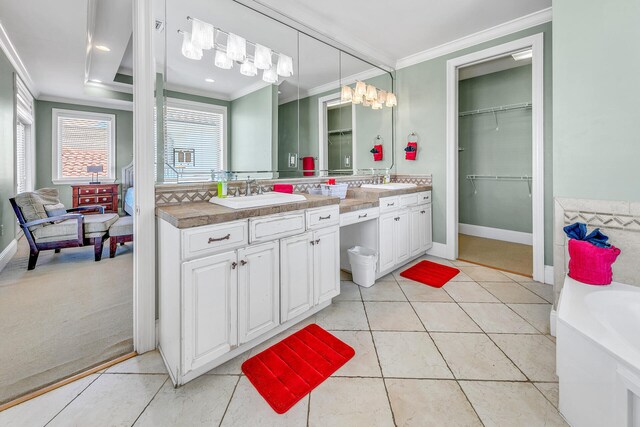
{"x": 247, "y": 188}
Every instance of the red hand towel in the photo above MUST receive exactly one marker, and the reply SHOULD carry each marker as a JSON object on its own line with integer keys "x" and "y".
{"x": 309, "y": 166}
{"x": 377, "y": 156}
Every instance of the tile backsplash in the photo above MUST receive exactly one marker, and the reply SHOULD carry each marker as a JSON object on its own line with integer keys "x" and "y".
{"x": 170, "y": 194}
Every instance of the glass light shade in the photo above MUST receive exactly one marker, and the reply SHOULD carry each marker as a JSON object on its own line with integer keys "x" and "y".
{"x": 285, "y": 65}
{"x": 382, "y": 96}
{"x": 376, "y": 105}
{"x": 236, "y": 47}
{"x": 262, "y": 57}
{"x": 372, "y": 93}
{"x": 357, "y": 99}
{"x": 248, "y": 68}
{"x": 361, "y": 89}
{"x": 391, "y": 100}
{"x": 222, "y": 60}
{"x": 346, "y": 94}
{"x": 202, "y": 34}
{"x": 188, "y": 49}
{"x": 270, "y": 75}
{"x": 365, "y": 102}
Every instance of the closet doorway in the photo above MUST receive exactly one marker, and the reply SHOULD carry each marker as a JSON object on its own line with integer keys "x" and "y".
{"x": 494, "y": 153}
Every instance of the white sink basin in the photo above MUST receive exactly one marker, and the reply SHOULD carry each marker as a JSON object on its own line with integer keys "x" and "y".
{"x": 258, "y": 200}
{"x": 390, "y": 186}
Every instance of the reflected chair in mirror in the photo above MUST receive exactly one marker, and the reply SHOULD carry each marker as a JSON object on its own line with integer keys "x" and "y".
{"x": 48, "y": 225}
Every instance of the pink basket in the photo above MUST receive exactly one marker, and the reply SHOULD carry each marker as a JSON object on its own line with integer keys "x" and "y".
{"x": 591, "y": 264}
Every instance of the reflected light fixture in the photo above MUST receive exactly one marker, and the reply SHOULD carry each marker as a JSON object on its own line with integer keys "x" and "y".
{"x": 103, "y": 48}
{"x": 270, "y": 75}
{"x": 209, "y": 80}
{"x": 525, "y": 54}
{"x": 248, "y": 68}
{"x": 365, "y": 102}
{"x": 188, "y": 49}
{"x": 285, "y": 65}
{"x": 202, "y": 34}
{"x": 262, "y": 57}
{"x": 221, "y": 60}
{"x": 376, "y": 105}
{"x": 382, "y": 96}
{"x": 346, "y": 94}
{"x": 391, "y": 100}
{"x": 361, "y": 89}
{"x": 236, "y": 48}
{"x": 372, "y": 93}
{"x": 357, "y": 99}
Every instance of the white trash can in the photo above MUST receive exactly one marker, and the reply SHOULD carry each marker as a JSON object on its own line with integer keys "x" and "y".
{"x": 363, "y": 265}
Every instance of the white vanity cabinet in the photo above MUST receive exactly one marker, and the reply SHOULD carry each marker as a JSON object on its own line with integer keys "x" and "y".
{"x": 227, "y": 287}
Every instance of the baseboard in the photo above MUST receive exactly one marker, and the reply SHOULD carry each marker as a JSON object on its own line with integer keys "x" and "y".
{"x": 157, "y": 332}
{"x": 496, "y": 234}
{"x": 548, "y": 274}
{"x": 8, "y": 253}
{"x": 438, "y": 249}
{"x": 553, "y": 318}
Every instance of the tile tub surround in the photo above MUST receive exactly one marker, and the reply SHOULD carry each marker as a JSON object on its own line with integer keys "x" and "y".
{"x": 170, "y": 194}
{"x": 620, "y": 220}
{"x": 438, "y": 371}
{"x": 188, "y": 215}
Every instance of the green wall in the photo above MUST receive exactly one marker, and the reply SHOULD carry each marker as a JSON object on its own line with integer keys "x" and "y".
{"x": 503, "y": 151}
{"x": 422, "y": 107}
{"x": 595, "y": 106}
{"x": 124, "y": 143}
{"x": 7, "y": 130}
{"x": 254, "y": 121}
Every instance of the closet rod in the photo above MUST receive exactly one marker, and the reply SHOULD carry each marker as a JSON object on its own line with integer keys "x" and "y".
{"x": 521, "y": 106}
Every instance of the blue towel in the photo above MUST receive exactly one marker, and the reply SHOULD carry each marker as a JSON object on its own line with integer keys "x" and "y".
{"x": 578, "y": 231}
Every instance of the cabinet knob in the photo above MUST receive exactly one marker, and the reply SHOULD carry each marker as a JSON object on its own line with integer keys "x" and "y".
{"x": 391, "y": 204}
{"x": 243, "y": 262}
{"x": 234, "y": 265}
{"x": 362, "y": 216}
{"x": 397, "y": 218}
{"x": 312, "y": 243}
{"x": 423, "y": 212}
{"x": 317, "y": 241}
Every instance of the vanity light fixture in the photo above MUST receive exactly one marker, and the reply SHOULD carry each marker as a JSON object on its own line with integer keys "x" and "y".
{"x": 357, "y": 99}
{"x": 368, "y": 96}
{"x": 372, "y": 93}
{"x": 221, "y": 60}
{"x": 285, "y": 65}
{"x": 382, "y": 96}
{"x": 376, "y": 105}
{"x": 346, "y": 94}
{"x": 366, "y": 102}
{"x": 189, "y": 50}
{"x": 236, "y": 47}
{"x": 391, "y": 100}
{"x": 262, "y": 57}
{"x": 103, "y": 48}
{"x": 270, "y": 75}
{"x": 202, "y": 34}
{"x": 525, "y": 54}
{"x": 361, "y": 89}
{"x": 248, "y": 68}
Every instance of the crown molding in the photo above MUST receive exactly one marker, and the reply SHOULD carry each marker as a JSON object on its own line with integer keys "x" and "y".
{"x": 12, "y": 54}
{"x": 196, "y": 92}
{"x": 248, "y": 89}
{"x": 509, "y": 27}
{"x": 114, "y": 104}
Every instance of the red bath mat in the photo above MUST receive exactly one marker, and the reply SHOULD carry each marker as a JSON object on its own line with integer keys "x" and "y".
{"x": 287, "y": 371}
{"x": 430, "y": 273}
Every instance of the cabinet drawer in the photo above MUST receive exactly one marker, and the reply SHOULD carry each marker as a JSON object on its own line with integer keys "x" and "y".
{"x": 106, "y": 190}
{"x": 389, "y": 203}
{"x": 85, "y": 191}
{"x": 319, "y": 218}
{"x": 90, "y": 200}
{"x": 359, "y": 216}
{"x": 201, "y": 241}
{"x": 276, "y": 226}
{"x": 424, "y": 197}
{"x": 409, "y": 200}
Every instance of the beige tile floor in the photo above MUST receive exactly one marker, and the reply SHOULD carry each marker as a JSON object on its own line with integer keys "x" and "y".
{"x": 475, "y": 352}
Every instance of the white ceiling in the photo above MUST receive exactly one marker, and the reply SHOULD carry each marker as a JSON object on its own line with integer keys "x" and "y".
{"x": 51, "y": 38}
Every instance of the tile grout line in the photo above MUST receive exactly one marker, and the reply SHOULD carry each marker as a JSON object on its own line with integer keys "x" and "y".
{"x": 74, "y": 398}
{"x": 224, "y": 414}
{"x": 442, "y": 355}
{"x": 149, "y": 402}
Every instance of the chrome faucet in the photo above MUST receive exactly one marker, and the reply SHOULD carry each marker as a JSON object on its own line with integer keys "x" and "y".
{"x": 247, "y": 188}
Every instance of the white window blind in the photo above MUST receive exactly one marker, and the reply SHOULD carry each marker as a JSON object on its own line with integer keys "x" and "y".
{"x": 194, "y": 141}
{"x": 83, "y": 139}
{"x": 24, "y": 153}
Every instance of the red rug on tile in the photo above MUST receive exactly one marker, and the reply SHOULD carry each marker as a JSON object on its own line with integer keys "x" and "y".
{"x": 430, "y": 273}
{"x": 287, "y": 371}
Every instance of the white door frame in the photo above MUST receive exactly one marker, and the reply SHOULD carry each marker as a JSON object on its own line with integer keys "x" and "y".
{"x": 323, "y": 148}
{"x": 144, "y": 249}
{"x": 536, "y": 43}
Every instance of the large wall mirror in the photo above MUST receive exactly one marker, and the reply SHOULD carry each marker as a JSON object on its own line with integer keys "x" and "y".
{"x": 241, "y": 95}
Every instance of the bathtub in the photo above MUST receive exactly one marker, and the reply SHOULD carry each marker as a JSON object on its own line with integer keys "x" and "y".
{"x": 598, "y": 354}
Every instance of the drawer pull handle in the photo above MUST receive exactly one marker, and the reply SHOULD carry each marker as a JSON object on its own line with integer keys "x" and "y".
{"x": 317, "y": 241}
{"x": 312, "y": 243}
{"x": 391, "y": 204}
{"x": 234, "y": 265}
{"x": 362, "y": 216}
{"x": 243, "y": 263}
{"x": 423, "y": 212}
{"x": 218, "y": 239}
{"x": 324, "y": 217}
{"x": 397, "y": 218}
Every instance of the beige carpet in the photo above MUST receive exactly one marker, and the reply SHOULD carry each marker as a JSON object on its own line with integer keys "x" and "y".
{"x": 67, "y": 315}
{"x": 507, "y": 256}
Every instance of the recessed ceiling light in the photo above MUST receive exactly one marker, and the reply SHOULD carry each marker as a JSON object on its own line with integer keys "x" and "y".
{"x": 95, "y": 81}
{"x": 103, "y": 48}
{"x": 209, "y": 80}
{"x": 525, "y": 54}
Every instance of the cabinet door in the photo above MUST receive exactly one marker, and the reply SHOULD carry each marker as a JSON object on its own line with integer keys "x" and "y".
{"x": 426, "y": 237}
{"x": 401, "y": 236}
{"x": 326, "y": 264}
{"x": 296, "y": 270}
{"x": 386, "y": 247}
{"x": 210, "y": 304}
{"x": 258, "y": 290}
{"x": 416, "y": 230}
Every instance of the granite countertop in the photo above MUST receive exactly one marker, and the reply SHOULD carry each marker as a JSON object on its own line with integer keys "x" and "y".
{"x": 196, "y": 214}
{"x": 376, "y": 193}
{"x": 349, "y": 205}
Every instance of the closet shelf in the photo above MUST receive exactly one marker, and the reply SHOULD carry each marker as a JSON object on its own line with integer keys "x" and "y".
{"x": 523, "y": 178}
{"x": 339, "y": 131}
{"x": 521, "y": 106}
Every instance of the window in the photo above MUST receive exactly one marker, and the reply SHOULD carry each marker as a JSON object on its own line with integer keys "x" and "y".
{"x": 82, "y": 139}
{"x": 195, "y": 140}
{"x": 24, "y": 152}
